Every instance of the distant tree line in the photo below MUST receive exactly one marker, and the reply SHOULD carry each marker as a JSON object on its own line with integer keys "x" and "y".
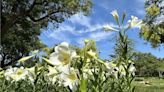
{"x": 148, "y": 65}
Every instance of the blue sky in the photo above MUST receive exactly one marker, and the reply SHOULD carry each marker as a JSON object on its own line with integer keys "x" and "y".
{"x": 77, "y": 28}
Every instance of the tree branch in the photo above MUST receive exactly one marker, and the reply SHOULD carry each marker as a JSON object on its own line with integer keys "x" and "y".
{"x": 42, "y": 18}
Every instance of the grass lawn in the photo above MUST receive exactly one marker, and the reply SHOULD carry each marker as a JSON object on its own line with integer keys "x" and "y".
{"x": 149, "y": 84}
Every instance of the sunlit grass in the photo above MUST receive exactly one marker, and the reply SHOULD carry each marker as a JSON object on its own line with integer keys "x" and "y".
{"x": 149, "y": 84}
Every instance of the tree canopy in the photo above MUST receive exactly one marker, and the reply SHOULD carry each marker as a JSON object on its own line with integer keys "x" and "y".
{"x": 153, "y": 28}
{"x": 148, "y": 65}
{"x": 21, "y": 21}
{"x": 40, "y": 12}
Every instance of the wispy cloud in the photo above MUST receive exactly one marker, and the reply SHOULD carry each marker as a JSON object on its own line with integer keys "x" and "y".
{"x": 80, "y": 19}
{"x": 60, "y": 33}
{"x": 91, "y": 28}
{"x": 68, "y": 32}
{"x": 96, "y": 36}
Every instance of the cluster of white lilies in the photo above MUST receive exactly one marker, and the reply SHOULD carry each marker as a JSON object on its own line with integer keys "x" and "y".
{"x": 134, "y": 22}
{"x": 16, "y": 74}
{"x": 61, "y": 60}
{"x": 61, "y": 71}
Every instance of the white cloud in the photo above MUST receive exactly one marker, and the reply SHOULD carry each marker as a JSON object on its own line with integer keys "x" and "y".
{"x": 96, "y": 36}
{"x": 59, "y": 34}
{"x": 96, "y": 27}
{"x": 91, "y": 28}
{"x": 80, "y": 19}
{"x": 99, "y": 35}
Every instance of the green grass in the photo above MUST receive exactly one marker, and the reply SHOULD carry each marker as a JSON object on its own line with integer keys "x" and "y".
{"x": 152, "y": 84}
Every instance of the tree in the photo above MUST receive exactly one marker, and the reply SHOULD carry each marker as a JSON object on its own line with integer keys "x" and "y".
{"x": 18, "y": 43}
{"x": 160, "y": 67}
{"x": 148, "y": 65}
{"x": 153, "y": 28}
{"x": 21, "y": 21}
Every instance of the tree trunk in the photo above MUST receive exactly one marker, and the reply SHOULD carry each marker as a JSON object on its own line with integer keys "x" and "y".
{"x": 159, "y": 74}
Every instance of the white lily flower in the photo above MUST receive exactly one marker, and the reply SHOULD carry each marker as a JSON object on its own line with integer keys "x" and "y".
{"x": 115, "y": 72}
{"x": 112, "y": 69}
{"x": 110, "y": 65}
{"x": 107, "y": 27}
{"x": 73, "y": 54}
{"x": 63, "y": 69}
{"x": 63, "y": 47}
{"x": 17, "y": 74}
{"x": 51, "y": 71}
{"x": 122, "y": 71}
{"x": 132, "y": 69}
{"x": 55, "y": 59}
{"x": 70, "y": 80}
{"x": 8, "y": 73}
{"x": 87, "y": 73}
{"x": 31, "y": 70}
{"x": 62, "y": 55}
{"x": 115, "y": 15}
{"x": 52, "y": 74}
{"x": 134, "y": 22}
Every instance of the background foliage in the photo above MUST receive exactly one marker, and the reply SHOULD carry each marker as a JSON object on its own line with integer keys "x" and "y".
{"x": 153, "y": 29}
{"x": 148, "y": 65}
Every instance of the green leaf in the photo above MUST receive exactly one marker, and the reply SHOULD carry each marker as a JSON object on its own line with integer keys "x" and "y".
{"x": 83, "y": 86}
{"x": 24, "y": 58}
{"x": 100, "y": 61}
